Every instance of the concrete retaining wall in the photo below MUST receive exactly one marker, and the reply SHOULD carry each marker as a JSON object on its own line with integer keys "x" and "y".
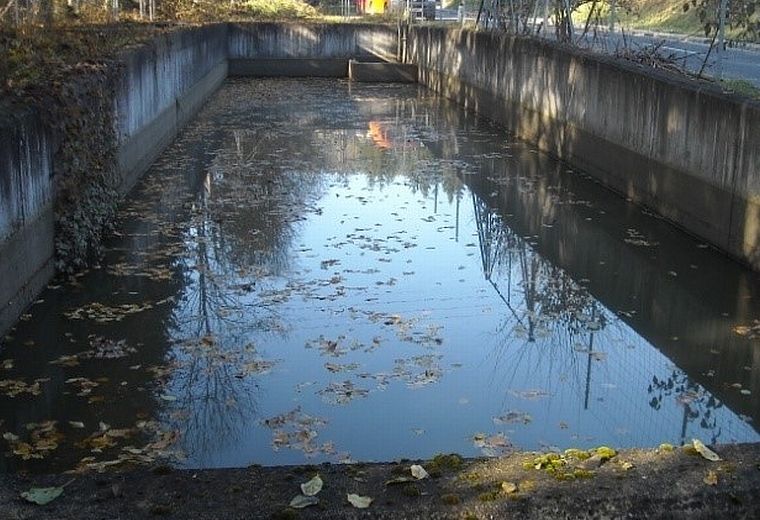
{"x": 164, "y": 85}
{"x": 26, "y": 211}
{"x": 297, "y": 49}
{"x": 688, "y": 151}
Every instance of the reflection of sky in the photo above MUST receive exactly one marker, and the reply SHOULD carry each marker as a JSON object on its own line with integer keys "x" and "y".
{"x": 383, "y": 310}
{"x": 370, "y": 254}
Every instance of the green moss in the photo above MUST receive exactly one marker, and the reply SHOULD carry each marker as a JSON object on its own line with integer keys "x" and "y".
{"x": 583, "y": 473}
{"x": 441, "y": 464}
{"x": 549, "y": 461}
{"x": 577, "y": 454}
{"x": 605, "y": 452}
{"x": 665, "y": 446}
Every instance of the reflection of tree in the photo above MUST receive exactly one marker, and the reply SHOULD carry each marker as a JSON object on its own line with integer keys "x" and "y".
{"x": 544, "y": 303}
{"x": 555, "y": 314}
{"x": 549, "y": 295}
{"x": 212, "y": 401}
{"x": 696, "y": 402}
{"x": 240, "y": 231}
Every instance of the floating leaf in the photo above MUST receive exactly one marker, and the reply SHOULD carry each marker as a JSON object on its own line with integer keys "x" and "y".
{"x": 42, "y": 496}
{"x": 359, "y": 501}
{"x": 530, "y": 394}
{"x": 704, "y": 450}
{"x": 418, "y": 472}
{"x": 301, "y": 501}
{"x": 513, "y": 417}
{"x": 312, "y": 487}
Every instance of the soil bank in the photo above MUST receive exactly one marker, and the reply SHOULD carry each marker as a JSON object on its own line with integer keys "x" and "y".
{"x": 656, "y": 483}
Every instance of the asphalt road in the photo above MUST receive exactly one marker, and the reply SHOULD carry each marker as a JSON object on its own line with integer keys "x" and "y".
{"x": 693, "y": 53}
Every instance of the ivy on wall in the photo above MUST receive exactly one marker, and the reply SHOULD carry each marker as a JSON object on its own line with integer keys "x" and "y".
{"x": 78, "y": 105}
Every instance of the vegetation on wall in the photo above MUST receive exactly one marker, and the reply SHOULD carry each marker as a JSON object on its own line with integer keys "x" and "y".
{"x": 80, "y": 108}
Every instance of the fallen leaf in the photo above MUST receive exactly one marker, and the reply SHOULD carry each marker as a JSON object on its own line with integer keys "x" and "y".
{"x": 358, "y": 501}
{"x": 418, "y": 472}
{"x": 704, "y": 450}
{"x": 301, "y": 501}
{"x": 711, "y": 479}
{"x": 42, "y": 496}
{"x": 312, "y": 487}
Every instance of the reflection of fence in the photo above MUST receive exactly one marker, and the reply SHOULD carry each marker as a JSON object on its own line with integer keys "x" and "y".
{"x": 611, "y": 376}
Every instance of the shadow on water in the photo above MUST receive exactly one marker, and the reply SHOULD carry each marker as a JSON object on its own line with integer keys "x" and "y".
{"x": 315, "y": 264}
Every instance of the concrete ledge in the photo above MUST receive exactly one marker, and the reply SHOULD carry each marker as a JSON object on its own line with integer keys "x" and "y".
{"x": 382, "y": 72}
{"x": 290, "y": 68}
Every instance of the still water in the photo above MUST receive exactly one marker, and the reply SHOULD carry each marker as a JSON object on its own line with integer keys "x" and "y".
{"x": 323, "y": 271}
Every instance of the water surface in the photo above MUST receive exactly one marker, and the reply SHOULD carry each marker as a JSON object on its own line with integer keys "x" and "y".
{"x": 321, "y": 271}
